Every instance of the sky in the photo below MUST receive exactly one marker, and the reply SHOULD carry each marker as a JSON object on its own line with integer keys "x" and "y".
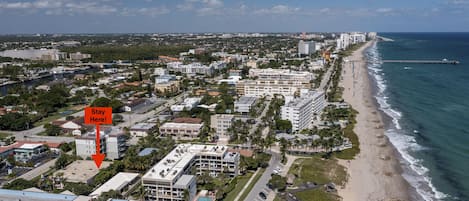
{"x": 169, "y": 16}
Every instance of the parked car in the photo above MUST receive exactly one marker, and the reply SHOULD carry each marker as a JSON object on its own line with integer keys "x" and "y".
{"x": 262, "y": 195}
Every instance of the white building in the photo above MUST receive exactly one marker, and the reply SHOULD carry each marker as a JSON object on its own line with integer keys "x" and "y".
{"x": 347, "y": 39}
{"x": 191, "y": 69}
{"x": 301, "y": 111}
{"x": 119, "y": 183}
{"x": 188, "y": 104}
{"x": 244, "y": 104}
{"x": 112, "y": 143}
{"x": 306, "y": 47}
{"x": 181, "y": 131}
{"x": 171, "y": 177}
{"x": 221, "y": 122}
{"x": 164, "y": 79}
{"x": 78, "y": 56}
{"x": 343, "y": 41}
{"x": 281, "y": 74}
{"x": 259, "y": 88}
{"x": 160, "y": 71}
{"x": 142, "y": 129}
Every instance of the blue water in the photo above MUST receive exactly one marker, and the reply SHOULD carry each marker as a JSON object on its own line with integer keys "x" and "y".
{"x": 204, "y": 199}
{"x": 431, "y": 99}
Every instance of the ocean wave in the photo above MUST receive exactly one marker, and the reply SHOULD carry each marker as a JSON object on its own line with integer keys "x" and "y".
{"x": 414, "y": 171}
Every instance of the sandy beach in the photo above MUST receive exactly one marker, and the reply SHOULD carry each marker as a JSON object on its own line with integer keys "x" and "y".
{"x": 375, "y": 174}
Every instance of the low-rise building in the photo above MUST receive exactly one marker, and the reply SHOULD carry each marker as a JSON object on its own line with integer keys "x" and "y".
{"x": 191, "y": 69}
{"x": 221, "y": 122}
{"x": 112, "y": 144}
{"x": 119, "y": 183}
{"x": 244, "y": 104}
{"x": 26, "y": 151}
{"x": 170, "y": 178}
{"x": 181, "y": 131}
{"x": 142, "y": 129}
{"x": 168, "y": 87}
{"x": 80, "y": 171}
{"x": 188, "y": 104}
{"x": 29, "y": 151}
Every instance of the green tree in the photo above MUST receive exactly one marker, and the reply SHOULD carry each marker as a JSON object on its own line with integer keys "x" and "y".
{"x": 110, "y": 194}
{"x": 106, "y": 102}
{"x": 283, "y": 125}
{"x": 52, "y": 130}
{"x": 278, "y": 182}
{"x": 19, "y": 184}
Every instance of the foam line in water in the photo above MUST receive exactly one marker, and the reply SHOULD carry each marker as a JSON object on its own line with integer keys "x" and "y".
{"x": 414, "y": 171}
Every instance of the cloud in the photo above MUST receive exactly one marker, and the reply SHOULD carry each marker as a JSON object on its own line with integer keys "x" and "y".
{"x": 213, "y": 3}
{"x": 277, "y": 9}
{"x": 185, "y": 6}
{"x": 458, "y": 2}
{"x": 16, "y": 5}
{"x": 152, "y": 12}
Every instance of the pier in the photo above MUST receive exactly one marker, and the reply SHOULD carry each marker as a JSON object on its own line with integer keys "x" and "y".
{"x": 454, "y": 62}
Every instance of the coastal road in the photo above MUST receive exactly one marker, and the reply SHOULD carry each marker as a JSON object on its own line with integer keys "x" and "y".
{"x": 259, "y": 118}
{"x": 261, "y": 185}
{"x": 326, "y": 77}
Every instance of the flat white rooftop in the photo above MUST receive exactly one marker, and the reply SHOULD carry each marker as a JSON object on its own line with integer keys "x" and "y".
{"x": 173, "y": 164}
{"x": 119, "y": 181}
{"x": 30, "y": 146}
{"x": 173, "y": 125}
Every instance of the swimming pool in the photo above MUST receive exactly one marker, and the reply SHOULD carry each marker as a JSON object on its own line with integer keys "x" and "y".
{"x": 204, "y": 199}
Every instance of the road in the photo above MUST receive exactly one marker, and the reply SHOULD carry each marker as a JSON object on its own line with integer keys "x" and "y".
{"x": 261, "y": 185}
{"x": 39, "y": 170}
{"x": 259, "y": 118}
{"x": 326, "y": 77}
{"x": 129, "y": 120}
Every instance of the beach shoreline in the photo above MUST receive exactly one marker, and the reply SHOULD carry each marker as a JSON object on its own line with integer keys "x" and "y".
{"x": 375, "y": 173}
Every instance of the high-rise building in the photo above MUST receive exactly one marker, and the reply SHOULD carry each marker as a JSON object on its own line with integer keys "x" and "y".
{"x": 301, "y": 111}
{"x": 306, "y": 47}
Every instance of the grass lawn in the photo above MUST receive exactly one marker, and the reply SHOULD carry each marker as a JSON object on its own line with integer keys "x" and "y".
{"x": 316, "y": 169}
{"x": 254, "y": 181}
{"x": 317, "y": 195}
{"x": 242, "y": 180}
{"x": 56, "y": 115}
{"x": 350, "y": 154}
{"x": 321, "y": 171}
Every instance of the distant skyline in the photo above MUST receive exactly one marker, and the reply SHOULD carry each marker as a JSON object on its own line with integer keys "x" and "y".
{"x": 163, "y": 16}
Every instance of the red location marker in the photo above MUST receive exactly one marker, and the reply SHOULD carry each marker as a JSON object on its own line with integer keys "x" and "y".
{"x": 98, "y": 116}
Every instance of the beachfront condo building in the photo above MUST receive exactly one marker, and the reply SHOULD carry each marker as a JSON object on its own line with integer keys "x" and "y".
{"x": 301, "y": 111}
{"x": 175, "y": 174}
{"x": 280, "y": 74}
{"x": 260, "y": 88}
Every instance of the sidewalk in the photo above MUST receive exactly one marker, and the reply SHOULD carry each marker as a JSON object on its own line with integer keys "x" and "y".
{"x": 247, "y": 184}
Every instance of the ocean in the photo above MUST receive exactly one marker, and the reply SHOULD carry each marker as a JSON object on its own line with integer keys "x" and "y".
{"x": 427, "y": 106}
